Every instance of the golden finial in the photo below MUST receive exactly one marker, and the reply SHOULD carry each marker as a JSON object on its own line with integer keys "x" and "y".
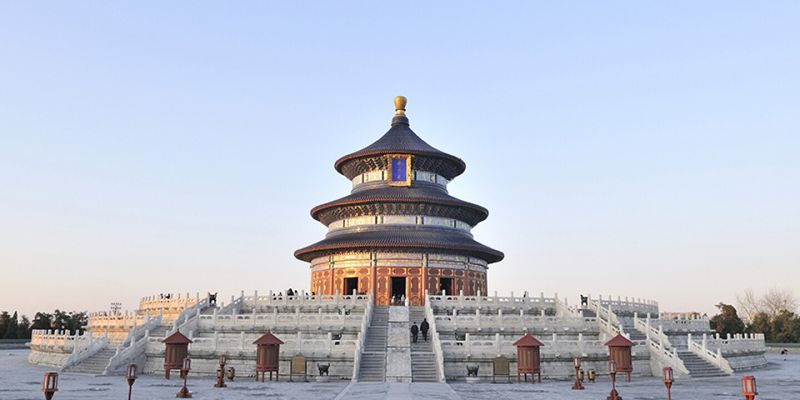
{"x": 400, "y": 105}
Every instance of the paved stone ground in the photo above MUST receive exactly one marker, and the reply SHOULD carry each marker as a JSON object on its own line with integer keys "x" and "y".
{"x": 22, "y": 381}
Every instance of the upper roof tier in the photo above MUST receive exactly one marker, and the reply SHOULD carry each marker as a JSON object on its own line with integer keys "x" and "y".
{"x": 402, "y": 140}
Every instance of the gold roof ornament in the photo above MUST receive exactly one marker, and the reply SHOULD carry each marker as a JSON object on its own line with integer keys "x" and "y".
{"x": 400, "y": 105}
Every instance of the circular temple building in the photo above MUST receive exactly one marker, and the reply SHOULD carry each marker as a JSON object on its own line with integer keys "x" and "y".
{"x": 399, "y": 233}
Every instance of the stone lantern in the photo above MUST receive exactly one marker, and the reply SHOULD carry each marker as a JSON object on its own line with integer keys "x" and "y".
{"x": 176, "y": 349}
{"x": 268, "y": 353}
{"x": 619, "y": 351}
{"x": 529, "y": 359}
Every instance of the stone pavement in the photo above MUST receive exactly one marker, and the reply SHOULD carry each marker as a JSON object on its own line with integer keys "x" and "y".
{"x": 22, "y": 381}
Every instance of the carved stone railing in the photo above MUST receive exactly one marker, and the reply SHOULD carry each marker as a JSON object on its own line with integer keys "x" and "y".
{"x": 490, "y": 304}
{"x": 186, "y": 321}
{"x": 499, "y": 345}
{"x": 264, "y": 321}
{"x": 437, "y": 344}
{"x": 299, "y": 343}
{"x": 607, "y": 321}
{"x": 683, "y": 326}
{"x": 362, "y": 338}
{"x": 302, "y": 298}
{"x": 52, "y": 341}
{"x": 739, "y": 343}
{"x": 628, "y": 305}
{"x": 515, "y": 323}
{"x": 170, "y": 307}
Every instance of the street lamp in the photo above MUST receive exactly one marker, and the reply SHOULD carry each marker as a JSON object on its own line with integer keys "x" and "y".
{"x": 221, "y": 373}
{"x": 749, "y": 387}
{"x": 131, "y": 375}
{"x": 668, "y": 379}
{"x": 185, "y": 368}
{"x": 577, "y": 364}
{"x": 50, "y": 384}
{"x": 612, "y": 370}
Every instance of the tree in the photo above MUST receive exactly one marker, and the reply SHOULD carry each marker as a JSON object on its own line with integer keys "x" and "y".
{"x": 761, "y": 323}
{"x": 24, "y": 328}
{"x": 777, "y": 300}
{"x": 727, "y": 321}
{"x": 786, "y": 327}
{"x": 11, "y": 328}
{"x": 4, "y": 321}
{"x": 42, "y": 321}
{"x": 749, "y": 304}
{"x": 772, "y": 303}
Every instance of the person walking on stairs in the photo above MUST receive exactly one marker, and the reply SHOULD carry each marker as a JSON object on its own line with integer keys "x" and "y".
{"x": 423, "y": 327}
{"x": 414, "y": 332}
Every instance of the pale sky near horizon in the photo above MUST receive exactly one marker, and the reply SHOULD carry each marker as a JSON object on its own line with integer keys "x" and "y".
{"x": 626, "y": 148}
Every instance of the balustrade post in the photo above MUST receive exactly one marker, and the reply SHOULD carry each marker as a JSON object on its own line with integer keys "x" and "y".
{"x": 500, "y": 317}
{"x": 497, "y": 344}
{"x": 689, "y": 341}
{"x": 468, "y": 343}
{"x": 241, "y": 340}
{"x": 705, "y": 343}
{"x": 216, "y": 340}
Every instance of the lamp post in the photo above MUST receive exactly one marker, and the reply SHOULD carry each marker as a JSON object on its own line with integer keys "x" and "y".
{"x": 221, "y": 373}
{"x": 50, "y": 384}
{"x": 668, "y": 379}
{"x": 749, "y": 387}
{"x": 185, "y": 368}
{"x": 131, "y": 376}
{"x": 577, "y": 364}
{"x": 612, "y": 370}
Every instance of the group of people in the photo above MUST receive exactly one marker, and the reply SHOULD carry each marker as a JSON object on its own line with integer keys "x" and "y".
{"x": 423, "y": 328}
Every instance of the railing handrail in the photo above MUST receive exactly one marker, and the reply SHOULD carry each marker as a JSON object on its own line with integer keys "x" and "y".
{"x": 361, "y": 339}
{"x": 81, "y": 352}
{"x": 132, "y": 345}
{"x": 437, "y": 345}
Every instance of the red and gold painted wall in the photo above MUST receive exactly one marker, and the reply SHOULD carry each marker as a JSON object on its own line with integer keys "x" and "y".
{"x": 422, "y": 273}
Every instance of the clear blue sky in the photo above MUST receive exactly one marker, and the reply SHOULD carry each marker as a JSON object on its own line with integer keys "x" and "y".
{"x": 632, "y": 148}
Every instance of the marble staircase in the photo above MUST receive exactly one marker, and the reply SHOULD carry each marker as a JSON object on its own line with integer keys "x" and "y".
{"x": 698, "y": 367}
{"x": 423, "y": 360}
{"x": 96, "y": 364}
{"x": 373, "y": 359}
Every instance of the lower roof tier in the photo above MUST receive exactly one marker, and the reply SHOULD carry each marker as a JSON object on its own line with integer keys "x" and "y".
{"x": 433, "y": 240}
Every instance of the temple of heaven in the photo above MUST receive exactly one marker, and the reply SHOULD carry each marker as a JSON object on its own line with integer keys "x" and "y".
{"x": 399, "y": 233}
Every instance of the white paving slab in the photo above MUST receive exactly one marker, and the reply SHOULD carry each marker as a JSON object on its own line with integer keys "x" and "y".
{"x": 22, "y": 381}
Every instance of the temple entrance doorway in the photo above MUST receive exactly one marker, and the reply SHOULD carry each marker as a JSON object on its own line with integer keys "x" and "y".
{"x": 446, "y": 285}
{"x": 398, "y": 289}
{"x": 350, "y": 284}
